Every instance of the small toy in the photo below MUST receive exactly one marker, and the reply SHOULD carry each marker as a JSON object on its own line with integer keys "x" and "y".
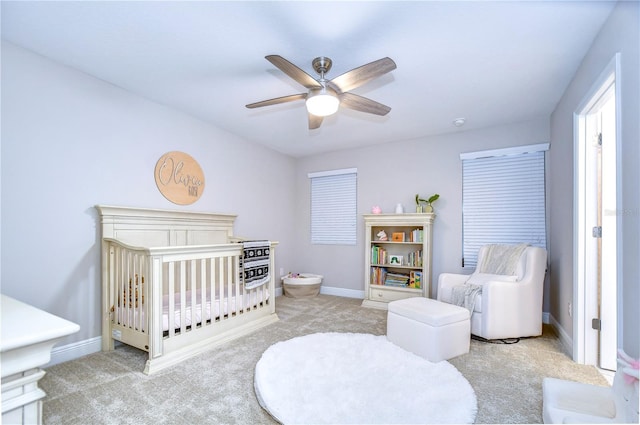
{"x": 382, "y": 235}
{"x": 376, "y": 210}
{"x": 630, "y": 367}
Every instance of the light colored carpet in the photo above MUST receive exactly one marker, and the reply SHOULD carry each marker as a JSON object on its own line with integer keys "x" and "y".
{"x": 354, "y": 378}
{"x": 217, "y": 387}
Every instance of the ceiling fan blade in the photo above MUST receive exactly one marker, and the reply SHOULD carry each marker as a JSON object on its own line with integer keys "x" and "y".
{"x": 363, "y": 74}
{"x": 362, "y": 104}
{"x": 293, "y": 71}
{"x": 278, "y": 100}
{"x": 314, "y": 121}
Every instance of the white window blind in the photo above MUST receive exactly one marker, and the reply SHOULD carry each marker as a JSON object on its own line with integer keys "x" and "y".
{"x": 503, "y": 199}
{"x": 333, "y": 207}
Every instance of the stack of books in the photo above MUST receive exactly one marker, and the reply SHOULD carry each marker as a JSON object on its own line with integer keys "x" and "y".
{"x": 378, "y": 275}
{"x": 397, "y": 279}
{"x": 414, "y": 259}
{"x": 378, "y": 255}
{"x": 416, "y": 235}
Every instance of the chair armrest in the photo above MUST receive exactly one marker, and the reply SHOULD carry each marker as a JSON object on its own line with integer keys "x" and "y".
{"x": 446, "y": 282}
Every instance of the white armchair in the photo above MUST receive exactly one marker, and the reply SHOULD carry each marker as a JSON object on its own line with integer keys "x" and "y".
{"x": 508, "y": 306}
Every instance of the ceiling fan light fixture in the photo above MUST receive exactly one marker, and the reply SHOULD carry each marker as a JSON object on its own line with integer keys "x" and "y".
{"x": 322, "y": 102}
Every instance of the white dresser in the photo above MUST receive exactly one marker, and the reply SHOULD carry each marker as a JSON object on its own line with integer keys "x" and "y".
{"x": 28, "y": 335}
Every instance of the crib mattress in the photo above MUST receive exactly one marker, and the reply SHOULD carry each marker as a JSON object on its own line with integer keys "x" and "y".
{"x": 130, "y": 317}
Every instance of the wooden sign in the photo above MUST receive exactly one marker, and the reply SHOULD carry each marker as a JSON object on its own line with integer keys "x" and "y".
{"x": 179, "y": 178}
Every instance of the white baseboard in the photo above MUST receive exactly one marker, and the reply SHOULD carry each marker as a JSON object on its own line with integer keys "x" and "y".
{"x": 565, "y": 339}
{"x": 330, "y": 290}
{"x": 342, "y": 292}
{"x": 75, "y": 350}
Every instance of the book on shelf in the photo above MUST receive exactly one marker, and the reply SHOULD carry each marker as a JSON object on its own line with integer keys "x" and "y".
{"x": 416, "y": 235}
{"x": 415, "y": 279}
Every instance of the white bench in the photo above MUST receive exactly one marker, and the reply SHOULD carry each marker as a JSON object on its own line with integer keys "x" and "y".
{"x": 429, "y": 328}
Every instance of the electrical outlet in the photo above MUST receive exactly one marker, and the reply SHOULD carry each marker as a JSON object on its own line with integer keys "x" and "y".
{"x": 570, "y": 309}
{"x": 281, "y": 271}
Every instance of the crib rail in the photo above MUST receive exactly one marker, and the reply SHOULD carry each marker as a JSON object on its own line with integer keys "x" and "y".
{"x": 156, "y": 295}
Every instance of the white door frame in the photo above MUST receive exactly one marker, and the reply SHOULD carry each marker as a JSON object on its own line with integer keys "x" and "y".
{"x": 585, "y": 343}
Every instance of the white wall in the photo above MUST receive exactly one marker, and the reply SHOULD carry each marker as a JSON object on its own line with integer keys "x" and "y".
{"x": 619, "y": 34}
{"x": 70, "y": 141}
{"x": 393, "y": 173}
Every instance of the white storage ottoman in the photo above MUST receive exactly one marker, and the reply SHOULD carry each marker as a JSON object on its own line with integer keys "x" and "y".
{"x": 429, "y": 328}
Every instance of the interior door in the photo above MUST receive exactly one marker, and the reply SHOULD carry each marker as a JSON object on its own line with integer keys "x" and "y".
{"x": 607, "y": 249}
{"x": 596, "y": 199}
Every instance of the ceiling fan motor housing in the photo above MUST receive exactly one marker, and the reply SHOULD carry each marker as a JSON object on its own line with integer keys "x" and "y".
{"x": 322, "y": 65}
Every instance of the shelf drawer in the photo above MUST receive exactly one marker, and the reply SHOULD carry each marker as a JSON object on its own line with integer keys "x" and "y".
{"x": 388, "y": 295}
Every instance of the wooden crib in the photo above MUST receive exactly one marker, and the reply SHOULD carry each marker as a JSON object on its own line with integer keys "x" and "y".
{"x": 172, "y": 286}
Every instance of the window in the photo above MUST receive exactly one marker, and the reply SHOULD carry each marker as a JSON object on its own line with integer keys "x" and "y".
{"x": 503, "y": 199}
{"x": 333, "y": 207}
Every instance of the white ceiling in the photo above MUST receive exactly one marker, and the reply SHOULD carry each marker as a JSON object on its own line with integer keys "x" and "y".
{"x": 490, "y": 62}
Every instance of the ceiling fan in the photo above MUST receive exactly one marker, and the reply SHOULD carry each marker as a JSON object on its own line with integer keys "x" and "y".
{"x": 325, "y": 96}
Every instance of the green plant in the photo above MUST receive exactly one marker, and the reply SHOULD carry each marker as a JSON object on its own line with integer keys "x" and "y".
{"x": 427, "y": 203}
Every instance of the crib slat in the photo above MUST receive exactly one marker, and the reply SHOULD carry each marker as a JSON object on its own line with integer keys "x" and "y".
{"x": 122, "y": 286}
{"x": 135, "y": 302}
{"x": 129, "y": 285}
{"x": 131, "y": 302}
{"x": 192, "y": 288}
{"x": 240, "y": 293}
{"x": 171, "y": 291}
{"x": 212, "y": 276}
{"x": 230, "y": 293}
{"x": 117, "y": 273}
{"x": 183, "y": 299}
{"x": 142, "y": 306}
{"x": 121, "y": 290}
{"x": 223, "y": 301}
{"x": 235, "y": 277}
{"x": 127, "y": 290}
{"x": 203, "y": 290}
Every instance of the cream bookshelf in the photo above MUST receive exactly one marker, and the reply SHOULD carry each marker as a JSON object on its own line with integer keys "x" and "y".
{"x": 388, "y": 264}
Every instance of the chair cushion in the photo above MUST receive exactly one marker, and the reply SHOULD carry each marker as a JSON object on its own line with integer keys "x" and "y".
{"x": 481, "y": 279}
{"x": 428, "y": 311}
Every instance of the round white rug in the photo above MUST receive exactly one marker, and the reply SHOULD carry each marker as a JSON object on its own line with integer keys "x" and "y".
{"x": 354, "y": 378}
